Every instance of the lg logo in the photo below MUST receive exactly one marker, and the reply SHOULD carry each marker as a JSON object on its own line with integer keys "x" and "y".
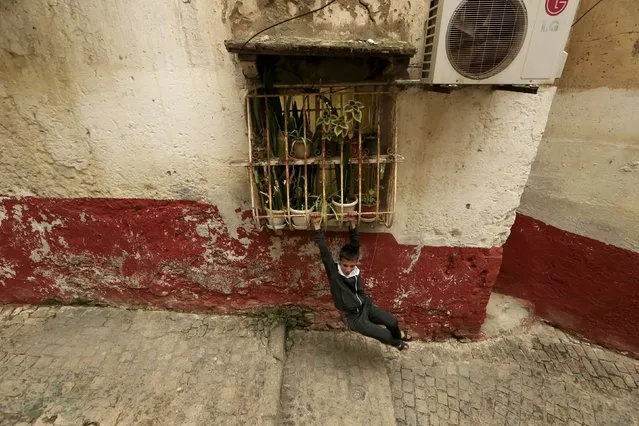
{"x": 555, "y": 7}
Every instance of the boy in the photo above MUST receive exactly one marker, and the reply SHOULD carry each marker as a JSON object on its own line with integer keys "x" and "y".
{"x": 348, "y": 291}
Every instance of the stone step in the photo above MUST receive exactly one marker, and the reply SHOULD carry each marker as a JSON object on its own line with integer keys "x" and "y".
{"x": 335, "y": 378}
{"x": 79, "y": 365}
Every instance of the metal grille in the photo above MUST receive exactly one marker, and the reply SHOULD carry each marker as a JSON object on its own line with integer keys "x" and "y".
{"x": 327, "y": 154}
{"x": 429, "y": 38}
{"x": 484, "y": 36}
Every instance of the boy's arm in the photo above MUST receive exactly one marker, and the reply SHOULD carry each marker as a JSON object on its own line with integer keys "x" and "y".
{"x": 352, "y": 230}
{"x": 325, "y": 252}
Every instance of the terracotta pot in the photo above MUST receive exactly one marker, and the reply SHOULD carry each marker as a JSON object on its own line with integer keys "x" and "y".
{"x": 301, "y": 150}
{"x": 369, "y": 213}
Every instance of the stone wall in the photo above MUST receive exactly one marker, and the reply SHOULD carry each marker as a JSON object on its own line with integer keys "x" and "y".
{"x": 580, "y": 209}
{"x": 119, "y": 122}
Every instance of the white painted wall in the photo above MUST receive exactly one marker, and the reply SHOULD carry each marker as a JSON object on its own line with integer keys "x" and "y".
{"x": 468, "y": 155}
{"x": 141, "y": 100}
{"x": 104, "y": 99}
{"x": 585, "y": 178}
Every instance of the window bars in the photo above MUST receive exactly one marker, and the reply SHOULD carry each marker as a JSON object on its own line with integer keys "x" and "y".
{"x": 331, "y": 152}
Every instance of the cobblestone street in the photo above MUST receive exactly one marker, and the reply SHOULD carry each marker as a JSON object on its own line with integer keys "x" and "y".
{"x": 105, "y": 366}
{"x": 544, "y": 377}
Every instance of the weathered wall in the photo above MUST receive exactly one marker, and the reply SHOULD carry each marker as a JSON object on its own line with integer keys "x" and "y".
{"x": 584, "y": 184}
{"x": 468, "y": 155}
{"x": 131, "y": 112}
{"x": 179, "y": 255}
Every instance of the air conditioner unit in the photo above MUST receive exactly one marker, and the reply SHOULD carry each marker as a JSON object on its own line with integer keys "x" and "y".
{"x": 507, "y": 42}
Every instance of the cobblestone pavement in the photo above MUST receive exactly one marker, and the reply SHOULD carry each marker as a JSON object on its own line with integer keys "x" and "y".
{"x": 541, "y": 377}
{"x": 102, "y": 366}
{"x": 335, "y": 378}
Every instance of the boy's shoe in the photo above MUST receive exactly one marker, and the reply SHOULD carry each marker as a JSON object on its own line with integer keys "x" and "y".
{"x": 402, "y": 346}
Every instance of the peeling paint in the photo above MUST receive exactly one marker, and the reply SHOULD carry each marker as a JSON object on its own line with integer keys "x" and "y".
{"x": 17, "y": 213}
{"x": 402, "y": 295}
{"x": 275, "y": 249}
{"x": 414, "y": 258}
{"x": 167, "y": 262}
{"x": 3, "y": 214}
{"x": 7, "y": 270}
{"x": 42, "y": 228}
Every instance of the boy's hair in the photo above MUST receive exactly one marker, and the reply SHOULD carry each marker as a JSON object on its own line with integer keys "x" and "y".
{"x": 349, "y": 252}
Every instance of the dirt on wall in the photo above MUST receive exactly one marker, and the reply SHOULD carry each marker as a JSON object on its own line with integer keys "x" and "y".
{"x": 362, "y": 19}
{"x": 603, "y": 50}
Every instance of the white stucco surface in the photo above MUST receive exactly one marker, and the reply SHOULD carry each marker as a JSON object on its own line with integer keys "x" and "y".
{"x": 585, "y": 178}
{"x": 468, "y": 155}
{"x": 120, "y": 99}
{"x": 141, "y": 100}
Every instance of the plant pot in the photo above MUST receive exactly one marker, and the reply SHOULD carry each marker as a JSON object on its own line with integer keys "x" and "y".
{"x": 369, "y": 144}
{"x": 276, "y": 222}
{"x": 355, "y": 148}
{"x": 369, "y": 213}
{"x": 341, "y": 209}
{"x": 301, "y": 150}
{"x": 301, "y": 222}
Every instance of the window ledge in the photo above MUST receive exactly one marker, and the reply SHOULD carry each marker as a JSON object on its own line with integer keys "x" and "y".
{"x": 300, "y": 46}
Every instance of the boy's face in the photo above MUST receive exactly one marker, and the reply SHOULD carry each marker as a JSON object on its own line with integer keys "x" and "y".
{"x": 348, "y": 265}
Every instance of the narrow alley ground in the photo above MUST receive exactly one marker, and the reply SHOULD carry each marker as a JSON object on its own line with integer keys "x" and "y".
{"x": 105, "y": 366}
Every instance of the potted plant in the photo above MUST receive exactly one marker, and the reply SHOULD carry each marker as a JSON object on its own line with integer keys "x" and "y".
{"x": 368, "y": 206}
{"x": 303, "y": 202}
{"x": 301, "y": 146}
{"x": 344, "y": 127}
{"x": 275, "y": 206}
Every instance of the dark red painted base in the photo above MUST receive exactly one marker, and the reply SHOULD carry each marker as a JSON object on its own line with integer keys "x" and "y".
{"x": 580, "y": 284}
{"x": 180, "y": 255}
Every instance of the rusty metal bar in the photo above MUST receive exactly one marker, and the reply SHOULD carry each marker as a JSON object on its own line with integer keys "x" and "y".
{"x": 305, "y": 99}
{"x": 268, "y": 168}
{"x": 379, "y": 147}
{"x": 383, "y": 158}
{"x": 251, "y": 167}
{"x": 389, "y": 222}
{"x": 288, "y": 178}
{"x": 359, "y": 177}
{"x": 328, "y": 93}
{"x": 324, "y": 201}
{"x": 384, "y": 212}
{"x": 341, "y": 168}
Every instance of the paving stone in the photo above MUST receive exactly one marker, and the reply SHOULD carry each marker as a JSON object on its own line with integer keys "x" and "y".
{"x": 84, "y": 376}
{"x": 541, "y": 378}
{"x": 135, "y": 367}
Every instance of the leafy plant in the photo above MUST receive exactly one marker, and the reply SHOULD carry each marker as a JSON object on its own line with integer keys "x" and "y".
{"x": 277, "y": 182}
{"x": 302, "y": 191}
{"x": 369, "y": 197}
{"x": 297, "y": 136}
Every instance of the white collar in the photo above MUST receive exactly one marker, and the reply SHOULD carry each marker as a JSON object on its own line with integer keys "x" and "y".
{"x": 353, "y": 273}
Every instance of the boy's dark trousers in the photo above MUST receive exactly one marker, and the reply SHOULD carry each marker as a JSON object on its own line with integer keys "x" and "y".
{"x": 366, "y": 321}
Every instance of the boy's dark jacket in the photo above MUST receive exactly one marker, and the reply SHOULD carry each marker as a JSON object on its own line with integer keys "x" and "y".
{"x": 348, "y": 293}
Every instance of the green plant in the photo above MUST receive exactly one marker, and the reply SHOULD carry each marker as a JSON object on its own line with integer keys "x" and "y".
{"x": 302, "y": 190}
{"x": 277, "y": 181}
{"x": 338, "y": 126}
{"x": 297, "y": 136}
{"x": 369, "y": 197}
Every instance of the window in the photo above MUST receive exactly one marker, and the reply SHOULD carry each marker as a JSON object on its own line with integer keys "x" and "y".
{"x": 325, "y": 152}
